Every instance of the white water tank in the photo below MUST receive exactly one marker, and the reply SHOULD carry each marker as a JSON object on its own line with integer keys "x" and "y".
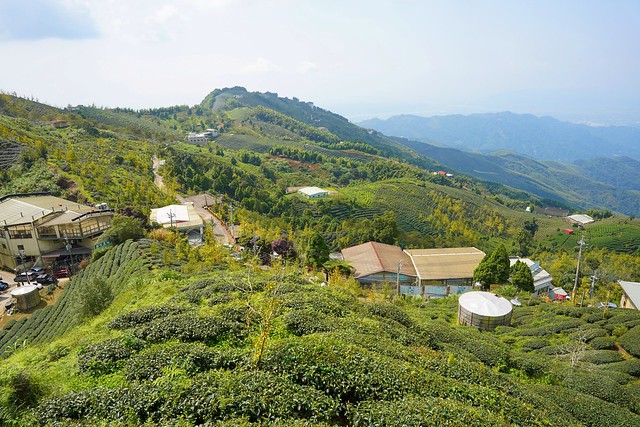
{"x": 27, "y": 297}
{"x": 484, "y": 310}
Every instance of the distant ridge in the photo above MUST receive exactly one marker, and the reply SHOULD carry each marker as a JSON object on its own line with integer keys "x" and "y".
{"x": 542, "y": 138}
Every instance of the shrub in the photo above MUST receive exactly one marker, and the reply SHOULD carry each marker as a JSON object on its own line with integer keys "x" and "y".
{"x": 600, "y": 385}
{"x": 602, "y": 343}
{"x": 600, "y": 357}
{"x": 210, "y": 397}
{"x": 152, "y": 362}
{"x": 107, "y": 356}
{"x": 304, "y": 322}
{"x": 189, "y": 327}
{"x": 588, "y": 409}
{"x": 95, "y": 296}
{"x": 630, "y": 341}
{"x": 144, "y": 315}
{"x": 630, "y": 366}
{"x": 389, "y": 311}
{"x": 418, "y": 411}
{"x": 534, "y": 344}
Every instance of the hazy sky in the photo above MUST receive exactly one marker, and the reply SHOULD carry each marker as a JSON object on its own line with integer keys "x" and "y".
{"x": 572, "y": 59}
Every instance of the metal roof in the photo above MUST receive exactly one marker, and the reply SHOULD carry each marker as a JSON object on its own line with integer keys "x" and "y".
{"x": 445, "y": 263}
{"x": 184, "y": 216}
{"x": 541, "y": 278}
{"x": 373, "y": 257}
{"x": 26, "y": 209}
{"x": 485, "y": 304}
{"x": 311, "y": 191}
{"x": 581, "y": 218}
{"x": 632, "y": 289}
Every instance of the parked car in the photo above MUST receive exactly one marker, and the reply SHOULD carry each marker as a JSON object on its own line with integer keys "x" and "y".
{"x": 36, "y": 270}
{"x": 62, "y": 272}
{"x": 25, "y": 277}
{"x": 3, "y": 286}
{"x": 46, "y": 279}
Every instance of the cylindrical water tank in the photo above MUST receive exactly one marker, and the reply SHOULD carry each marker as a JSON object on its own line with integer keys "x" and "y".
{"x": 27, "y": 297}
{"x": 484, "y": 310}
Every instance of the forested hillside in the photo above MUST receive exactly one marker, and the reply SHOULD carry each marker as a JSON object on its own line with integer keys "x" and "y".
{"x": 159, "y": 332}
{"x": 609, "y": 183}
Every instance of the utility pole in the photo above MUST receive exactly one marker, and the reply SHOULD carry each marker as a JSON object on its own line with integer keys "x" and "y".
{"x": 575, "y": 284}
{"x": 593, "y": 284}
{"x": 171, "y": 215}
{"x": 398, "y": 277}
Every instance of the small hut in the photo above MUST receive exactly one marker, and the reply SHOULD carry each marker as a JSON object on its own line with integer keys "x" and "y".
{"x": 484, "y": 310}
{"x": 26, "y": 297}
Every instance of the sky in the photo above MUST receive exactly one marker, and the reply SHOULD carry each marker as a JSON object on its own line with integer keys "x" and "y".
{"x": 575, "y": 60}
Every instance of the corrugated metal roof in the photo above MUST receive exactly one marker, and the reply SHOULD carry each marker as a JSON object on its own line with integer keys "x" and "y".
{"x": 311, "y": 191}
{"x": 20, "y": 210}
{"x": 373, "y": 257}
{"x": 184, "y": 216}
{"x": 445, "y": 263}
{"x": 581, "y": 218}
{"x": 541, "y": 278}
{"x": 632, "y": 289}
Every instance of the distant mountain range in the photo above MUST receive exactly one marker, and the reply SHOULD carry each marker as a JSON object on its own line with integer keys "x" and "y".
{"x": 612, "y": 182}
{"x": 542, "y": 138}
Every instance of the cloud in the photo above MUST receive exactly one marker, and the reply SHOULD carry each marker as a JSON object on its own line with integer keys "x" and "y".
{"x": 43, "y": 19}
{"x": 307, "y": 66}
{"x": 260, "y": 66}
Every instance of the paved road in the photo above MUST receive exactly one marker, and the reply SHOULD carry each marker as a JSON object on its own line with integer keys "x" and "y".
{"x": 222, "y": 234}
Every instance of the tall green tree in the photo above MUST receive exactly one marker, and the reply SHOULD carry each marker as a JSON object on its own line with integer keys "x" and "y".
{"x": 500, "y": 261}
{"x": 521, "y": 276}
{"x": 493, "y": 269}
{"x": 123, "y": 228}
{"x": 318, "y": 251}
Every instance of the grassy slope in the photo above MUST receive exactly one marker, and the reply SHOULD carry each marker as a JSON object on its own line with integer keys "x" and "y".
{"x": 328, "y": 358}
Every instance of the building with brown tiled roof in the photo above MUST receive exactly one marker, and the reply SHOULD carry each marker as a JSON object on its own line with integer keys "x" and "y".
{"x": 377, "y": 263}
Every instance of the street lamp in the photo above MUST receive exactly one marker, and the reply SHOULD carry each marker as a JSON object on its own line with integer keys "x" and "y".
{"x": 24, "y": 270}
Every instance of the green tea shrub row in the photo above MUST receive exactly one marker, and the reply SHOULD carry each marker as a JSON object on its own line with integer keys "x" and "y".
{"x": 419, "y": 411}
{"x": 590, "y": 410}
{"x": 107, "y": 356}
{"x": 152, "y": 362}
{"x": 630, "y": 341}
{"x": 602, "y": 343}
{"x": 189, "y": 327}
{"x": 144, "y": 315}
{"x": 255, "y": 396}
{"x": 630, "y": 366}
{"x": 389, "y": 311}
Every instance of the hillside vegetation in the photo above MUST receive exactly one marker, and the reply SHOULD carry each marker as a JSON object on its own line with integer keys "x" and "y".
{"x": 157, "y": 332}
{"x": 242, "y": 346}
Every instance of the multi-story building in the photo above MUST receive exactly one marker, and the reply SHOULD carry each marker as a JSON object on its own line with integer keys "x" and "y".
{"x": 37, "y": 226}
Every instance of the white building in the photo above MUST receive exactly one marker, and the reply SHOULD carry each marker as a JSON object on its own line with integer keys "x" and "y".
{"x": 580, "y": 219}
{"x": 183, "y": 217}
{"x": 630, "y": 294}
{"x": 202, "y": 138}
{"x": 313, "y": 192}
{"x": 541, "y": 278}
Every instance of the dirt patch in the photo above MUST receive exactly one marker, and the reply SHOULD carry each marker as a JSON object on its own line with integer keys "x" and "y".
{"x": 46, "y": 300}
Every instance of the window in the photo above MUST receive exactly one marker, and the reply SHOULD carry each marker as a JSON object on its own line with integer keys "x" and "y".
{"x": 21, "y": 247}
{"x": 20, "y": 231}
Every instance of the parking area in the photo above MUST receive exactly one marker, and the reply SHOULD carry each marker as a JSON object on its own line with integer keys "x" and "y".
{"x": 5, "y": 296}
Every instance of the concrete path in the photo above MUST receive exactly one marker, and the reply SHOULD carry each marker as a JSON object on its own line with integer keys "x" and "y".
{"x": 221, "y": 232}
